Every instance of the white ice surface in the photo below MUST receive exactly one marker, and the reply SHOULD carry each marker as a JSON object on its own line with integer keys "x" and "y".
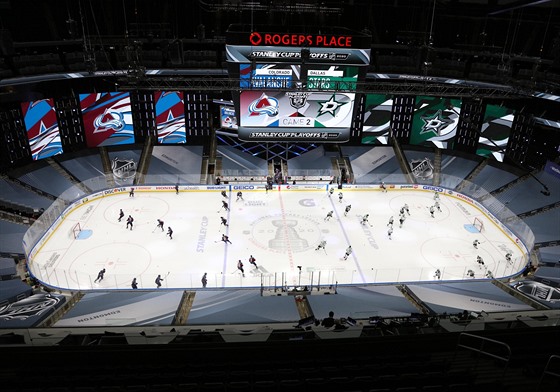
{"x": 281, "y": 229}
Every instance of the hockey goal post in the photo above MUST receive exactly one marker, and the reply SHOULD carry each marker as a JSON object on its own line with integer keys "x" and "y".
{"x": 76, "y": 229}
{"x": 478, "y": 225}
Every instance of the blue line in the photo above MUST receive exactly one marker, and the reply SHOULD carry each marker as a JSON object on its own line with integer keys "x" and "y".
{"x": 347, "y": 241}
{"x": 224, "y": 271}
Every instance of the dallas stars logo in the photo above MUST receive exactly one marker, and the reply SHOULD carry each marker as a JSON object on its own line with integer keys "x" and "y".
{"x": 330, "y": 106}
{"x": 435, "y": 123}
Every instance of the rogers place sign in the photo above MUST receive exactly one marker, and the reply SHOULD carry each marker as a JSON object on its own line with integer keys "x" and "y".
{"x": 322, "y": 41}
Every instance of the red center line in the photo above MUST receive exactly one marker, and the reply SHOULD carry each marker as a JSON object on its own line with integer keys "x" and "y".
{"x": 288, "y": 244}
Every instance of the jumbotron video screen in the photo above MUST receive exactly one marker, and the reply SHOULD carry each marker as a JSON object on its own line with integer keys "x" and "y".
{"x": 297, "y": 115}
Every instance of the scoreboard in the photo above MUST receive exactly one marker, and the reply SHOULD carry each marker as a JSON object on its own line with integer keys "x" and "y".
{"x": 296, "y": 87}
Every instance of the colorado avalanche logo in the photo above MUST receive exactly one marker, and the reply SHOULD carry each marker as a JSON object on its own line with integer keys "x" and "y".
{"x": 264, "y": 105}
{"x": 108, "y": 121}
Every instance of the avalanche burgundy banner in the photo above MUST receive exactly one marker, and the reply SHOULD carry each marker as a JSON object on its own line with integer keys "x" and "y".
{"x": 107, "y": 119}
{"x": 170, "y": 117}
{"x": 42, "y": 128}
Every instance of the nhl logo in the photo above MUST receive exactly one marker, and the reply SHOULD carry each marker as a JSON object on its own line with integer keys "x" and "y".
{"x": 123, "y": 170}
{"x": 422, "y": 169}
{"x": 297, "y": 99}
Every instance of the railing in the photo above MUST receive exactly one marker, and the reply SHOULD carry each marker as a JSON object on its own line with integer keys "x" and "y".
{"x": 550, "y": 370}
{"x": 488, "y": 347}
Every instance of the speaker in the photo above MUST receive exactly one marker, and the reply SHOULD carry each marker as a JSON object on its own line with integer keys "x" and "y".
{"x": 6, "y": 43}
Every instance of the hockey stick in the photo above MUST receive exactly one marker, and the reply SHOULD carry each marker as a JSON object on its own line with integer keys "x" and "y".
{"x": 325, "y": 251}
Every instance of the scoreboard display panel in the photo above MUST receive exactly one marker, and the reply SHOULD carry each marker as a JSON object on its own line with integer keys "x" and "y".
{"x": 286, "y": 76}
{"x": 228, "y": 118}
{"x": 275, "y": 115}
{"x": 295, "y": 86}
{"x": 495, "y": 131}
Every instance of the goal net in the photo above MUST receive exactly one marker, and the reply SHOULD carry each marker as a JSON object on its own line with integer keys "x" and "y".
{"x": 76, "y": 229}
{"x": 478, "y": 225}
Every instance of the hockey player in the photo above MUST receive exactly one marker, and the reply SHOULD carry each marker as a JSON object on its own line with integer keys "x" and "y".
{"x": 176, "y": 189}
{"x": 489, "y": 274}
{"x": 401, "y": 212}
{"x": 331, "y": 191}
{"x": 348, "y": 252}
{"x": 134, "y": 284}
{"x": 401, "y": 220}
{"x": 329, "y": 215}
{"x": 224, "y": 194}
{"x": 100, "y": 276}
{"x": 239, "y": 196}
{"x": 170, "y": 233}
{"x": 347, "y": 209}
{"x": 436, "y": 195}
{"x": 129, "y": 222}
{"x": 406, "y": 208}
{"x": 158, "y": 281}
{"x": 391, "y": 219}
{"x": 340, "y": 196}
{"x": 390, "y": 232}
{"x": 121, "y": 215}
{"x": 508, "y": 257}
{"x": 160, "y": 224}
{"x": 383, "y": 187}
{"x": 436, "y": 204}
{"x": 253, "y": 261}
{"x": 480, "y": 262}
{"x": 224, "y": 221}
{"x": 475, "y": 243}
{"x": 225, "y": 238}
{"x": 470, "y": 273}
{"x": 240, "y": 268}
{"x": 204, "y": 280}
{"x": 321, "y": 245}
{"x": 365, "y": 219}
{"x": 432, "y": 211}
{"x": 437, "y": 274}
{"x": 131, "y": 193}
{"x": 225, "y": 205}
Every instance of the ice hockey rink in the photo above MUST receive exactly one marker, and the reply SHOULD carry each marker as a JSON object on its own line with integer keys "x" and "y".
{"x": 280, "y": 228}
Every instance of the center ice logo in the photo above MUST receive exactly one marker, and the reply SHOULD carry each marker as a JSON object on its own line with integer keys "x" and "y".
{"x": 286, "y": 233}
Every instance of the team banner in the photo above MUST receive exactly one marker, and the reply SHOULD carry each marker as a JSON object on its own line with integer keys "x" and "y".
{"x": 495, "y": 131}
{"x": 377, "y": 119}
{"x": 269, "y": 115}
{"x": 107, "y": 118}
{"x": 42, "y": 128}
{"x": 435, "y": 121}
{"x": 170, "y": 117}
